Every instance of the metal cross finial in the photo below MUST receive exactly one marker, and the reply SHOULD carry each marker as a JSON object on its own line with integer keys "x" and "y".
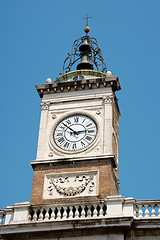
{"x": 87, "y": 19}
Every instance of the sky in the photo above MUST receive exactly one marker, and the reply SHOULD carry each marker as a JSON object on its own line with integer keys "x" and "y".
{"x": 36, "y": 36}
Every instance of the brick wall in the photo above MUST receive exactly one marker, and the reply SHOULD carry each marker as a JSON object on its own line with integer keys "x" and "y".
{"x": 107, "y": 183}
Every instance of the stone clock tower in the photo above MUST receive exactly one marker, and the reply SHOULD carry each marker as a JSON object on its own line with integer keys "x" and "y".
{"x": 77, "y": 155}
{"x": 75, "y": 193}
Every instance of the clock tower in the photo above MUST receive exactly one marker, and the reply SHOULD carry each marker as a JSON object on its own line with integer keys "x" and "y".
{"x": 77, "y": 155}
{"x": 75, "y": 193}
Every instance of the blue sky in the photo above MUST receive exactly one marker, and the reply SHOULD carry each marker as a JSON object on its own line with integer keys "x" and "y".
{"x": 36, "y": 36}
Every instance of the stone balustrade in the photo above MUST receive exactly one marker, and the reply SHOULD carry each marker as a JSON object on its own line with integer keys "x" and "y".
{"x": 60, "y": 213}
{"x": 110, "y": 207}
{"x": 147, "y": 209}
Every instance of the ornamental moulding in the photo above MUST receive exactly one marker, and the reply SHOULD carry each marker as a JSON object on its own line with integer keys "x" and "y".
{"x": 45, "y": 105}
{"x": 71, "y": 191}
{"x": 109, "y": 99}
{"x": 70, "y": 185}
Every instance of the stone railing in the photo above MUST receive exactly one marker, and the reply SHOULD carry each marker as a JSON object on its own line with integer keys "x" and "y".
{"x": 110, "y": 207}
{"x": 147, "y": 209}
{"x": 74, "y": 212}
{"x": 114, "y": 206}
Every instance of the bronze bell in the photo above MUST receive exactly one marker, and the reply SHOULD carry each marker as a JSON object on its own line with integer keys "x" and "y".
{"x": 85, "y": 46}
{"x": 85, "y": 50}
{"x": 85, "y": 63}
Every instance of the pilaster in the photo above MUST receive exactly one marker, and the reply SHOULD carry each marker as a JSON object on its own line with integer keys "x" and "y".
{"x": 42, "y": 129}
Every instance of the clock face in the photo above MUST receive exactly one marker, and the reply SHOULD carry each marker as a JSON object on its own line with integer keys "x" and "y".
{"x": 75, "y": 133}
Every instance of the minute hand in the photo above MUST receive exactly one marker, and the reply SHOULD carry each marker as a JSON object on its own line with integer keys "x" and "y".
{"x": 69, "y": 128}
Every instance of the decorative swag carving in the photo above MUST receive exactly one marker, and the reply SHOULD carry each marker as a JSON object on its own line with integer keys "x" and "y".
{"x": 81, "y": 181}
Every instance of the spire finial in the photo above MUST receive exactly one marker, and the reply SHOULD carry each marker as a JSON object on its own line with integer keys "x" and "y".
{"x": 87, "y": 29}
{"x": 87, "y": 19}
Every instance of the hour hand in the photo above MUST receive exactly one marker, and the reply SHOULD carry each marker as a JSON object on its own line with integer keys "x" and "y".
{"x": 83, "y": 131}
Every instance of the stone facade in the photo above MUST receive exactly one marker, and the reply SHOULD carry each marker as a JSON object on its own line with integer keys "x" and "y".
{"x": 105, "y": 184}
{"x": 99, "y": 104}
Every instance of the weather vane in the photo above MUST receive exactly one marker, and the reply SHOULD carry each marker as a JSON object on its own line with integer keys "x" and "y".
{"x": 87, "y": 19}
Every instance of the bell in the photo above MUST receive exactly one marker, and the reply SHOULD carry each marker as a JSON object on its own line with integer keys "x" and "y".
{"x": 85, "y": 46}
{"x": 85, "y": 63}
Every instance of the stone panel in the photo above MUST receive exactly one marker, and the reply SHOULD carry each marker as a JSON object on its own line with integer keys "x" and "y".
{"x": 73, "y": 184}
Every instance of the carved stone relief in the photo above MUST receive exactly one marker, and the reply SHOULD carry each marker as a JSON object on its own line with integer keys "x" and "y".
{"x": 45, "y": 105}
{"x": 109, "y": 99}
{"x": 54, "y": 115}
{"x": 71, "y": 185}
{"x": 98, "y": 112}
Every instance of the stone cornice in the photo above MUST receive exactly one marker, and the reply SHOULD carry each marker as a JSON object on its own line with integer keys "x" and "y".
{"x": 73, "y": 159}
{"x": 59, "y": 87}
{"x": 120, "y": 222}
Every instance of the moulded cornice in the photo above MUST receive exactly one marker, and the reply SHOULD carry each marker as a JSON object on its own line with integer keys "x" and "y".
{"x": 75, "y": 159}
{"x": 59, "y": 87}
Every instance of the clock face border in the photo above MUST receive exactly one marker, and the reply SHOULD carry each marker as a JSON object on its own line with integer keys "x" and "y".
{"x": 60, "y": 119}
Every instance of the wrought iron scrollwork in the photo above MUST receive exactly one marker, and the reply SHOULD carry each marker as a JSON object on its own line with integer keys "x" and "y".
{"x": 95, "y": 55}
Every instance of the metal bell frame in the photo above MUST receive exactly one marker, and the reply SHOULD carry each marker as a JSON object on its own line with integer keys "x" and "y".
{"x": 95, "y": 55}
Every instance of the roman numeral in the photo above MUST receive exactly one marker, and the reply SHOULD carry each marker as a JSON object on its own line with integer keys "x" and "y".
{"x": 66, "y": 145}
{"x": 89, "y": 124}
{"x": 74, "y": 146}
{"x": 82, "y": 144}
{"x": 68, "y": 121}
{"x": 88, "y": 138}
{"x": 76, "y": 119}
{"x": 91, "y": 131}
{"x": 83, "y": 120}
{"x": 61, "y": 126}
{"x": 59, "y": 134}
{"x": 61, "y": 140}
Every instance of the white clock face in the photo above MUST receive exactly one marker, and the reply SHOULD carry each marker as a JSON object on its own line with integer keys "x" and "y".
{"x": 75, "y": 133}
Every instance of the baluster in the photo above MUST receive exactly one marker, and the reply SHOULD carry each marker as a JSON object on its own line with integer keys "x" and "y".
{"x": 53, "y": 214}
{"x": 105, "y": 209}
{"x": 64, "y": 217}
{"x": 134, "y": 212}
{"x": 95, "y": 211}
{"x": 89, "y": 212}
{"x": 40, "y": 215}
{"x": 146, "y": 213}
{"x": 83, "y": 212}
{"x": 158, "y": 210}
{"x": 101, "y": 210}
{"x": 153, "y": 212}
{"x": 29, "y": 217}
{"x": 46, "y": 218}
{"x": 58, "y": 213}
{"x": 140, "y": 213}
{"x": 1, "y": 218}
{"x": 77, "y": 212}
{"x": 71, "y": 213}
{"x": 35, "y": 215}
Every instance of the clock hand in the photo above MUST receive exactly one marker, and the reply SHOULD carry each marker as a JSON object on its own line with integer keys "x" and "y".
{"x": 81, "y": 131}
{"x": 69, "y": 128}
